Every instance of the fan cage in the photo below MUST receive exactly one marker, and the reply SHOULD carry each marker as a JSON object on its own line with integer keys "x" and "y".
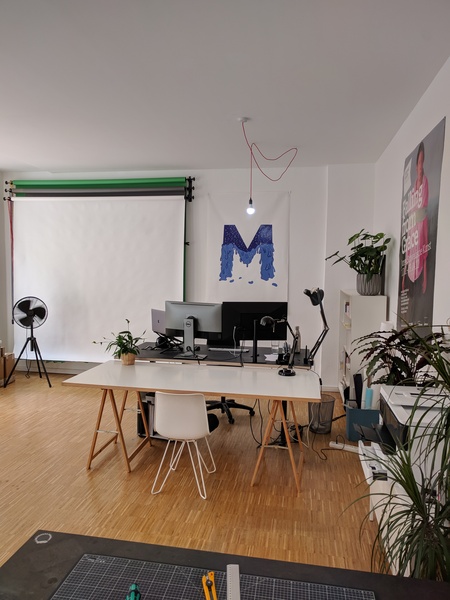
{"x": 30, "y": 311}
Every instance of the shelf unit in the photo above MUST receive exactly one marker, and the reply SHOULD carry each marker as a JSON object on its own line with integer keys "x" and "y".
{"x": 358, "y": 316}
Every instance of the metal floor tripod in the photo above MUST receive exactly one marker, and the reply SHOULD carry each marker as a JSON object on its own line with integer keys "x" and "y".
{"x": 34, "y": 348}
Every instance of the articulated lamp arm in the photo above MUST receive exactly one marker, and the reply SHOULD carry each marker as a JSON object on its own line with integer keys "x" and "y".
{"x": 271, "y": 322}
{"x": 316, "y": 296}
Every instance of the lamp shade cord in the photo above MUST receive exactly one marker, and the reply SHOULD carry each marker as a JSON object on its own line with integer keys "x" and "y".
{"x": 253, "y": 158}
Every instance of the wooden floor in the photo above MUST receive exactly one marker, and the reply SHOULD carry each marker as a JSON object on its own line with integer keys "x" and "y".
{"x": 45, "y": 435}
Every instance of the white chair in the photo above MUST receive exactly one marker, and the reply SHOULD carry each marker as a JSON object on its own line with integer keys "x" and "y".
{"x": 183, "y": 420}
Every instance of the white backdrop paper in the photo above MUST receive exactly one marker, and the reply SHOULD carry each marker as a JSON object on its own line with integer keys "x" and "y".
{"x": 95, "y": 263}
{"x": 245, "y": 282}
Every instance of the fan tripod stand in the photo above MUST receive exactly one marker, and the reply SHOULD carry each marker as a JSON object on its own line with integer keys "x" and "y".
{"x": 34, "y": 348}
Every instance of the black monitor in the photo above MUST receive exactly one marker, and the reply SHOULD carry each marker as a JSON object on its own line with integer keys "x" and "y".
{"x": 191, "y": 320}
{"x": 238, "y": 320}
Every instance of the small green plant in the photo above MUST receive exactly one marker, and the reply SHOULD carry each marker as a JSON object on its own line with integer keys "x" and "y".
{"x": 367, "y": 253}
{"x": 123, "y": 343}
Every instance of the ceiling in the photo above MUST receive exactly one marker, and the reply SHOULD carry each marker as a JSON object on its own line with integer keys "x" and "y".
{"x": 133, "y": 85}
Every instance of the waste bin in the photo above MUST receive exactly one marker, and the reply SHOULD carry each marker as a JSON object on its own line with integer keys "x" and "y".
{"x": 320, "y": 414}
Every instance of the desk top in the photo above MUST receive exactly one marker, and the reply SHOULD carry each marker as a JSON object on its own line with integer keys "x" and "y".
{"x": 39, "y": 567}
{"x": 249, "y": 381}
{"x": 147, "y": 352}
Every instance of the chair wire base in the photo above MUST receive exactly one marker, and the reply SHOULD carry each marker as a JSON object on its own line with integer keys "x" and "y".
{"x": 197, "y": 465}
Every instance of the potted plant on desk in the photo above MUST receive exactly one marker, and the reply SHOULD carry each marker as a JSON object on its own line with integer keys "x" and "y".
{"x": 367, "y": 257}
{"x": 125, "y": 345}
{"x": 414, "y": 507}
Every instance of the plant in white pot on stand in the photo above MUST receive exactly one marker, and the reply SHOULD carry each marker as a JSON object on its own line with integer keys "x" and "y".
{"x": 366, "y": 256}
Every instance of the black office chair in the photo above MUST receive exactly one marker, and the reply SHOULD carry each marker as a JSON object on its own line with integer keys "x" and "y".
{"x": 225, "y": 406}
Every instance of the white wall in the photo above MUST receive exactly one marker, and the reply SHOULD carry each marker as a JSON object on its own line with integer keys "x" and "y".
{"x": 349, "y": 209}
{"x": 328, "y": 205}
{"x": 431, "y": 109}
{"x": 307, "y": 235}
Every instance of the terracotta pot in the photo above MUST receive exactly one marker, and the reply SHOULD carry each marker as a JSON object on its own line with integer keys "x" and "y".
{"x": 368, "y": 287}
{"x": 128, "y": 359}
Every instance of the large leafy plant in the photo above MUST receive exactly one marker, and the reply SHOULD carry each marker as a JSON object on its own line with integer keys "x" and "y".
{"x": 367, "y": 253}
{"x": 399, "y": 357}
{"x": 414, "y": 514}
{"x": 413, "y": 531}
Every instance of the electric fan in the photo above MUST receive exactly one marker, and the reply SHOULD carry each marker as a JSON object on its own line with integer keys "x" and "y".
{"x": 30, "y": 312}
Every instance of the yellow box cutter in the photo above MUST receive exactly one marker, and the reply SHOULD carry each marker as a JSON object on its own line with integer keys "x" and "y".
{"x": 209, "y": 586}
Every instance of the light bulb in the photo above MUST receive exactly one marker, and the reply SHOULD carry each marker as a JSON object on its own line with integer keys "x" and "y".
{"x": 250, "y": 209}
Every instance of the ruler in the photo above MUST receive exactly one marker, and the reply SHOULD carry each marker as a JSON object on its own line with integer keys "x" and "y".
{"x": 233, "y": 584}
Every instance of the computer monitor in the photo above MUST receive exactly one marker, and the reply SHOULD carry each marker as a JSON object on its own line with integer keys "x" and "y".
{"x": 238, "y": 320}
{"x": 191, "y": 320}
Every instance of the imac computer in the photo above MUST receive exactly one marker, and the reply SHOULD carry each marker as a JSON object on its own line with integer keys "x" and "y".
{"x": 192, "y": 320}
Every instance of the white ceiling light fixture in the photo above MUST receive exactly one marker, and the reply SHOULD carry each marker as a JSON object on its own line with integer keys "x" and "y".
{"x": 250, "y": 208}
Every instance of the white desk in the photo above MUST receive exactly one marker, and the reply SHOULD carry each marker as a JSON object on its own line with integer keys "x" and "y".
{"x": 248, "y": 381}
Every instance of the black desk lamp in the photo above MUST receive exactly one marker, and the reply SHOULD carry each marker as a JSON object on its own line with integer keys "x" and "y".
{"x": 316, "y": 296}
{"x": 270, "y": 321}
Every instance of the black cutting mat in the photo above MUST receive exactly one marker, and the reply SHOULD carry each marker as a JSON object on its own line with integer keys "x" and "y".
{"x": 97, "y": 577}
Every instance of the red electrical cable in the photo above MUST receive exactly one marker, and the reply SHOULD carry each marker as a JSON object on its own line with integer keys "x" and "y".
{"x": 253, "y": 158}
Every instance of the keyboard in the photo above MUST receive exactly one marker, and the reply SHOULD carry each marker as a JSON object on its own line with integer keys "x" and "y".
{"x": 237, "y": 350}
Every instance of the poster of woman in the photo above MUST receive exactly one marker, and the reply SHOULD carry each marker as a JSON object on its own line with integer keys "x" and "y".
{"x": 419, "y": 219}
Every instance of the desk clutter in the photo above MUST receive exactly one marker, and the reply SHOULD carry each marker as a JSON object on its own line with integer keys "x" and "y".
{"x": 111, "y": 577}
{"x": 228, "y": 325}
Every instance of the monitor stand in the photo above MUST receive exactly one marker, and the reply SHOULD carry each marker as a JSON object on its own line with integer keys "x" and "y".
{"x": 189, "y": 341}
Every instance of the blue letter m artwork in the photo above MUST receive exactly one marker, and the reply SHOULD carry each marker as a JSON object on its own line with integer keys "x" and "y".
{"x": 233, "y": 245}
